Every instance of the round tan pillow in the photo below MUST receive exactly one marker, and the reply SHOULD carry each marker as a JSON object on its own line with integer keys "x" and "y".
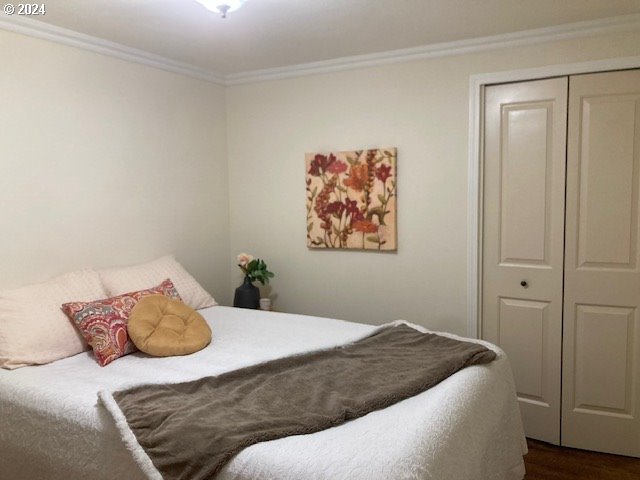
{"x": 162, "y": 327}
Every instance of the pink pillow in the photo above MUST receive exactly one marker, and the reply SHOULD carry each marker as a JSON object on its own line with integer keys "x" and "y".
{"x": 103, "y": 323}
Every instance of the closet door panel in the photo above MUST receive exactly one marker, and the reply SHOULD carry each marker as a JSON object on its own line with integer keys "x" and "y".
{"x": 603, "y": 357}
{"x": 522, "y": 328}
{"x": 523, "y": 232}
{"x": 607, "y": 230}
{"x": 601, "y": 351}
{"x": 525, "y": 174}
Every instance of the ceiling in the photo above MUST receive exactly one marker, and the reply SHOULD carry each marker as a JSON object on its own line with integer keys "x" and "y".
{"x": 275, "y": 33}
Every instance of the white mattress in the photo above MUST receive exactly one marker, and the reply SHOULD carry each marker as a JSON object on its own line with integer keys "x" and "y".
{"x": 467, "y": 427}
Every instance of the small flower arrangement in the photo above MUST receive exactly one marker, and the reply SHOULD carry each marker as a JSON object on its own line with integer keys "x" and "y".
{"x": 254, "y": 268}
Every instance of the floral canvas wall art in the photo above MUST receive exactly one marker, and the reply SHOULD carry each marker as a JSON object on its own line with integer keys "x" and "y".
{"x": 351, "y": 199}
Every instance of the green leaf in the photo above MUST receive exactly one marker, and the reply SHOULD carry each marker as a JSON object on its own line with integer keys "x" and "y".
{"x": 376, "y": 211}
{"x": 381, "y": 198}
{"x": 257, "y": 269}
{"x": 373, "y": 239}
{"x": 310, "y": 227}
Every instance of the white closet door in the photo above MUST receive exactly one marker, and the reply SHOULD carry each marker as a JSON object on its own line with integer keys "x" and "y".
{"x": 601, "y": 376}
{"x": 523, "y": 233}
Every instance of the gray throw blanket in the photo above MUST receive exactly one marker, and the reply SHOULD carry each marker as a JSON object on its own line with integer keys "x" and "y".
{"x": 190, "y": 430}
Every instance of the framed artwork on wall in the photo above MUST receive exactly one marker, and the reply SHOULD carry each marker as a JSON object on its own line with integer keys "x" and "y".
{"x": 351, "y": 200}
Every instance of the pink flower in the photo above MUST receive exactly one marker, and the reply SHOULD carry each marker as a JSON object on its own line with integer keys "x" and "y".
{"x": 244, "y": 259}
{"x": 351, "y": 206}
{"x": 383, "y": 172}
{"x": 335, "y": 208}
{"x": 321, "y": 164}
{"x": 337, "y": 167}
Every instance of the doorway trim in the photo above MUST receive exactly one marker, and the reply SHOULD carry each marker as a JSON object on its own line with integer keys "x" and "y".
{"x": 477, "y": 84}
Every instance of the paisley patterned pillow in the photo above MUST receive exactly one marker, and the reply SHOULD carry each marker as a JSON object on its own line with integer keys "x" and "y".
{"x": 103, "y": 323}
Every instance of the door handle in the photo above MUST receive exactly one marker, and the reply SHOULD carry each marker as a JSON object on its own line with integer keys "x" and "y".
{"x": 524, "y": 284}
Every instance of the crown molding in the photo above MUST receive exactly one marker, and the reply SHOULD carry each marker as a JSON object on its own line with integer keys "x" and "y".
{"x": 526, "y": 37}
{"x": 45, "y": 31}
{"x": 38, "y": 29}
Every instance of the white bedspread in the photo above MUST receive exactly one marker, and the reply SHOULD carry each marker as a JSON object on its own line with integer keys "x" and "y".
{"x": 467, "y": 427}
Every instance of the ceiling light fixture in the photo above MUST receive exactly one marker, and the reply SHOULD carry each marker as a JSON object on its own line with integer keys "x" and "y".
{"x": 221, "y": 6}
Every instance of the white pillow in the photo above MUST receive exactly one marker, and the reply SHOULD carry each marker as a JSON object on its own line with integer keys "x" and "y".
{"x": 33, "y": 328}
{"x": 139, "y": 277}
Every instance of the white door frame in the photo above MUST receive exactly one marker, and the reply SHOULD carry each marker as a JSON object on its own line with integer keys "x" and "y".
{"x": 477, "y": 84}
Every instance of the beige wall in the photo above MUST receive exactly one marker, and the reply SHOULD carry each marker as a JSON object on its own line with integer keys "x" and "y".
{"x": 419, "y": 107}
{"x": 106, "y": 162}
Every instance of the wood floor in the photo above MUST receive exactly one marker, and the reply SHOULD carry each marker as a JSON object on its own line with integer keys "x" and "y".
{"x": 548, "y": 462}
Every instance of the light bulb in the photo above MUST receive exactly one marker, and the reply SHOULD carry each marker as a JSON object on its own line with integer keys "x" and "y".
{"x": 221, "y": 6}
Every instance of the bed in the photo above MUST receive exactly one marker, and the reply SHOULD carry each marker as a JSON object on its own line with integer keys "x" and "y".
{"x": 52, "y": 425}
